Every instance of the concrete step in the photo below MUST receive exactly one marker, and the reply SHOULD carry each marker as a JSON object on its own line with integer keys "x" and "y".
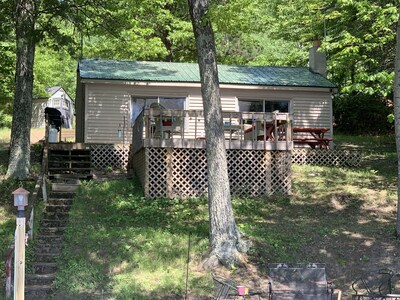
{"x": 55, "y": 215}
{"x": 49, "y": 239}
{"x": 63, "y": 195}
{"x": 59, "y": 201}
{"x": 67, "y": 179}
{"x": 65, "y": 187}
{"x": 57, "y": 208}
{"x": 43, "y": 230}
{"x": 53, "y": 222}
{"x": 39, "y": 279}
{"x": 47, "y": 257}
{"x": 37, "y": 292}
{"x": 44, "y": 268}
{"x": 48, "y": 248}
{"x": 71, "y": 175}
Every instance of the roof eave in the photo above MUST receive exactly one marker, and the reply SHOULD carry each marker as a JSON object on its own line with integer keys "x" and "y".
{"x": 198, "y": 85}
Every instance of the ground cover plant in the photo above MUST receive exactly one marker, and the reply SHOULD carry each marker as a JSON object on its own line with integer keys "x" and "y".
{"x": 121, "y": 245}
{"x": 7, "y": 208}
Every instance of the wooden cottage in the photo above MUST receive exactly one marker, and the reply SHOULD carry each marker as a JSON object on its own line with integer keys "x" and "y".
{"x": 157, "y": 108}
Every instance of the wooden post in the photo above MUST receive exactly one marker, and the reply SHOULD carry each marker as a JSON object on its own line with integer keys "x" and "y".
{"x": 8, "y": 272}
{"x": 169, "y": 173}
{"x": 44, "y": 189}
{"x": 19, "y": 260}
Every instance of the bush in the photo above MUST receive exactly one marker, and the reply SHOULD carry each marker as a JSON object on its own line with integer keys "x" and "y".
{"x": 5, "y": 120}
{"x": 361, "y": 114}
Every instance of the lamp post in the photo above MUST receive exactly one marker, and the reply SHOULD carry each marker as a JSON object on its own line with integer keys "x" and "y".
{"x": 20, "y": 201}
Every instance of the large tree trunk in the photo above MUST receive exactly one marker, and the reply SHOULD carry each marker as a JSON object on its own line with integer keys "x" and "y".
{"x": 19, "y": 163}
{"x": 396, "y": 98}
{"x": 224, "y": 235}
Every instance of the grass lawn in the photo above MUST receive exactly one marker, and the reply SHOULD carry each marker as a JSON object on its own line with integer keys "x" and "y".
{"x": 120, "y": 245}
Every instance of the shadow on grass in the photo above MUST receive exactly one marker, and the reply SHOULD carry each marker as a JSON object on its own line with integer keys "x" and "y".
{"x": 126, "y": 246}
{"x": 122, "y": 244}
{"x": 347, "y": 231}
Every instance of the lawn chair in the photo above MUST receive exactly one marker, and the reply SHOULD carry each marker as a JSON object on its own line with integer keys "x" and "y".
{"x": 228, "y": 289}
{"x": 299, "y": 281}
{"x": 383, "y": 284}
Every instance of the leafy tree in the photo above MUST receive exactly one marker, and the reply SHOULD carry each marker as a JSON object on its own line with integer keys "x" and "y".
{"x": 358, "y": 37}
{"x": 53, "y": 68}
{"x": 7, "y": 53}
{"x": 25, "y": 18}
{"x": 42, "y": 21}
{"x": 396, "y": 98}
{"x": 154, "y": 30}
{"x": 352, "y": 110}
{"x": 225, "y": 238}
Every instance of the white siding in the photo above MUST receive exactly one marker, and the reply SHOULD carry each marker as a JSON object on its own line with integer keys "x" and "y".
{"x": 313, "y": 111}
{"x": 38, "y": 117}
{"x": 106, "y": 107}
{"x": 107, "y": 103}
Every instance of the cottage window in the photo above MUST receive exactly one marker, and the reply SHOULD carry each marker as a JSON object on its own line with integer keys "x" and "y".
{"x": 140, "y": 103}
{"x": 250, "y": 105}
{"x": 65, "y": 104}
{"x": 56, "y": 103}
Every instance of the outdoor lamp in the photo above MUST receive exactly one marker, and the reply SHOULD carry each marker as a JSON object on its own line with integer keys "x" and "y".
{"x": 20, "y": 200}
{"x": 119, "y": 131}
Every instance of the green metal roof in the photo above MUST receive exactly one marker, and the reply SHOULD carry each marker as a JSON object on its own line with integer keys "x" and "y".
{"x": 189, "y": 72}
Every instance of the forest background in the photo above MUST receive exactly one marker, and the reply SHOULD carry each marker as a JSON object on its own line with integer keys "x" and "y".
{"x": 359, "y": 38}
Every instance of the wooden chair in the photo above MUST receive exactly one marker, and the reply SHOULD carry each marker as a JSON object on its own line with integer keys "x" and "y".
{"x": 165, "y": 126}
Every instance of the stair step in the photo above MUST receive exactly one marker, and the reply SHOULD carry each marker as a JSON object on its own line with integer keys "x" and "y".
{"x": 49, "y": 238}
{"x": 57, "y": 208}
{"x": 62, "y": 195}
{"x": 48, "y": 248}
{"x": 55, "y": 215}
{"x": 47, "y": 257}
{"x": 65, "y": 187}
{"x": 53, "y": 222}
{"x": 39, "y": 279}
{"x": 44, "y": 267}
{"x": 37, "y": 292}
{"x": 67, "y": 179}
{"x": 67, "y": 176}
{"x": 51, "y": 230}
{"x": 59, "y": 201}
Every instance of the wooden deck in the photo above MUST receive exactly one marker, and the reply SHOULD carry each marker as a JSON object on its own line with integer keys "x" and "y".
{"x": 185, "y": 129}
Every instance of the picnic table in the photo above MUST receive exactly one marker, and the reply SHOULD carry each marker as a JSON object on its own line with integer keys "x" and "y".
{"x": 315, "y": 137}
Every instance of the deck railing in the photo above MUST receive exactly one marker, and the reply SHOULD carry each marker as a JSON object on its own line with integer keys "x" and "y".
{"x": 157, "y": 127}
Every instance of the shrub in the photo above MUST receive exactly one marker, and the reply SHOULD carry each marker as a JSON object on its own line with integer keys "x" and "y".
{"x": 358, "y": 114}
{"x": 5, "y": 120}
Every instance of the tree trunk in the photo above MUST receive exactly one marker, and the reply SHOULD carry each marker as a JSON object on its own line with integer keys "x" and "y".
{"x": 396, "y": 98}
{"x": 224, "y": 235}
{"x": 19, "y": 162}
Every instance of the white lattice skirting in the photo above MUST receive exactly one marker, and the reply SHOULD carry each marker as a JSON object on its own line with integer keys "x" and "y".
{"x": 182, "y": 173}
{"x": 326, "y": 157}
{"x": 109, "y": 155}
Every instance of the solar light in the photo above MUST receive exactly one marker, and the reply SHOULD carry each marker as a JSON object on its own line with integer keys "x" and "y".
{"x": 20, "y": 200}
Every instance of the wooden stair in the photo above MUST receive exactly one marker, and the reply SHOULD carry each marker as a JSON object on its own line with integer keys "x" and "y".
{"x": 49, "y": 239}
{"x": 71, "y": 160}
